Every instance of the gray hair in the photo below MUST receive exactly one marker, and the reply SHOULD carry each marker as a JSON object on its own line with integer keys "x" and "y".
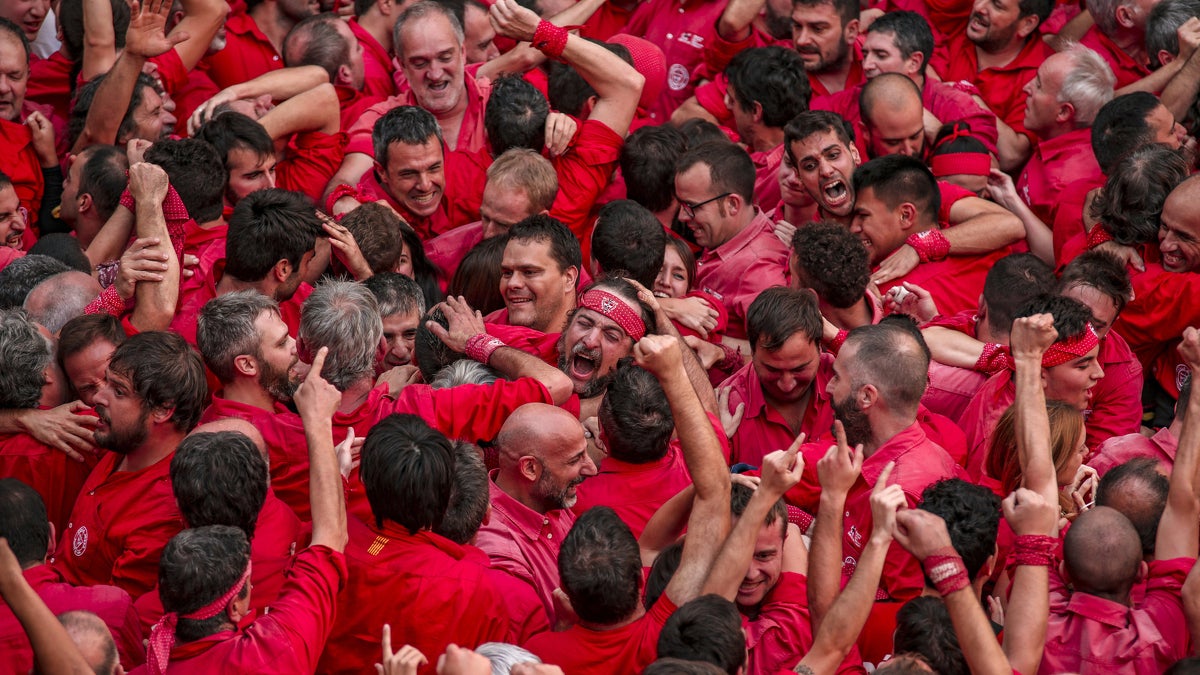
{"x": 225, "y": 330}
{"x": 423, "y": 9}
{"x": 1104, "y": 12}
{"x": 61, "y": 298}
{"x": 463, "y": 371}
{"x": 1088, "y": 85}
{"x": 1163, "y": 25}
{"x": 24, "y": 355}
{"x": 504, "y": 656}
{"x": 344, "y": 317}
{"x": 93, "y": 638}
{"x": 396, "y": 294}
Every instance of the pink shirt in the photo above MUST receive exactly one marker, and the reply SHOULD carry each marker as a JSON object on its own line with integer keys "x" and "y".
{"x": 1120, "y": 449}
{"x": 525, "y": 543}
{"x": 634, "y": 491}
{"x": 377, "y": 63}
{"x": 1088, "y": 634}
{"x": 766, "y": 180}
{"x": 1057, "y": 162}
{"x": 448, "y": 249}
{"x": 951, "y": 389}
{"x": 738, "y": 270}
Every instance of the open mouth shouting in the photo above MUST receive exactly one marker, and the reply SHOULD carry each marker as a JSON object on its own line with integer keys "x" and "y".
{"x": 835, "y": 194}
{"x": 584, "y": 363}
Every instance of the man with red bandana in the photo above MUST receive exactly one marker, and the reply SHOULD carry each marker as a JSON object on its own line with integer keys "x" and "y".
{"x": 999, "y": 50}
{"x": 1070, "y": 371}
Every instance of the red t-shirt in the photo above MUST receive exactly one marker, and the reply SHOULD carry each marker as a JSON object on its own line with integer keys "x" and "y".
{"x": 583, "y": 173}
{"x": 448, "y": 249}
{"x": 526, "y": 615}
{"x": 955, "y": 282}
{"x": 628, "y": 649}
{"x": 354, "y": 104}
{"x": 1125, "y": 67}
{"x": 111, "y": 604}
{"x": 999, "y": 87}
{"x": 979, "y": 419}
{"x": 1163, "y": 305}
{"x": 50, "y": 83}
{"x": 377, "y": 63}
{"x": 471, "y": 135}
{"x": 422, "y": 584}
{"x": 285, "y": 641}
{"x": 119, "y": 526}
{"x": 1117, "y": 398}
{"x": 311, "y": 159}
{"x": 248, "y": 53}
{"x": 49, "y": 471}
{"x": 1056, "y": 163}
{"x": 738, "y": 270}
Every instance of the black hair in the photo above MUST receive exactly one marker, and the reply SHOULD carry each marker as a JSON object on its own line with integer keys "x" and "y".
{"x": 972, "y": 515}
{"x": 23, "y": 521}
{"x": 635, "y": 416}
{"x": 1011, "y": 282}
{"x": 197, "y": 173}
{"x": 197, "y": 567}
{"x": 778, "y": 313}
{"x": 407, "y": 471}
{"x": 833, "y": 262}
{"x": 775, "y": 78}
{"x": 564, "y": 246}
{"x": 600, "y": 567}
{"x": 266, "y": 227}
{"x": 515, "y": 115}
{"x": 165, "y": 373}
{"x": 708, "y": 629}
{"x": 899, "y": 178}
{"x": 219, "y": 478}
{"x": 730, "y": 168}
{"x": 628, "y": 237}
{"x": 910, "y": 31}
{"x": 1120, "y": 128}
{"x": 648, "y": 160}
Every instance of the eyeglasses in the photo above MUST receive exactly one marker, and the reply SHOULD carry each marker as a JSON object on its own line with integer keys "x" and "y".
{"x": 691, "y": 209}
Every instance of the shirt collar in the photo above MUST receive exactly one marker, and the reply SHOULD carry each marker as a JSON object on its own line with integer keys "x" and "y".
{"x": 742, "y": 239}
{"x": 1098, "y": 609}
{"x": 896, "y": 447}
{"x": 522, "y": 518}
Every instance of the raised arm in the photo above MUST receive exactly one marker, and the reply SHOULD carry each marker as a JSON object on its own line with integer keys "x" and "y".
{"x": 155, "y": 301}
{"x": 697, "y": 373}
{"x": 924, "y": 535}
{"x": 313, "y": 110}
{"x": 734, "y": 24}
{"x": 708, "y": 525}
{"x": 781, "y": 470}
{"x": 1028, "y": 611}
{"x": 1030, "y": 338}
{"x": 523, "y": 57}
{"x": 1178, "y": 529}
{"x": 466, "y": 324}
{"x": 839, "y": 631}
{"x": 837, "y": 471}
{"x": 951, "y": 347}
{"x": 99, "y": 39}
{"x": 979, "y": 226}
{"x": 201, "y": 21}
{"x": 317, "y": 401}
{"x": 53, "y": 651}
{"x": 618, "y": 86}
{"x": 280, "y": 85}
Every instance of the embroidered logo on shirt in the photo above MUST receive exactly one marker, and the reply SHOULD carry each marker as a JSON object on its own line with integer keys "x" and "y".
{"x": 377, "y": 545}
{"x": 854, "y": 535}
{"x": 678, "y": 77}
{"x": 79, "y": 543}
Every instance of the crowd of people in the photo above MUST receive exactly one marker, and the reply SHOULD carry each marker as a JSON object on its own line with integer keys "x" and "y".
{"x": 599, "y": 337}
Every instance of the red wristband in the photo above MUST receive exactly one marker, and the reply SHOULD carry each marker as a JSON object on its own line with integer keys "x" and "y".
{"x": 946, "y": 570}
{"x": 930, "y": 245}
{"x": 549, "y": 39}
{"x": 1038, "y": 550}
{"x": 995, "y": 358}
{"x": 481, "y": 347}
{"x": 835, "y": 345}
{"x": 1098, "y": 235}
{"x": 340, "y": 191}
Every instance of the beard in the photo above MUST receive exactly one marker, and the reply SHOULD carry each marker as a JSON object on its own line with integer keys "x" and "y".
{"x": 853, "y": 419}
{"x": 278, "y": 383}
{"x": 121, "y": 441}
{"x": 596, "y": 384}
{"x": 554, "y": 497}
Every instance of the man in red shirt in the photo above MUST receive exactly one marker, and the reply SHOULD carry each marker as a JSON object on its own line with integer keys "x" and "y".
{"x": 767, "y": 88}
{"x": 32, "y": 379}
{"x": 91, "y": 190}
{"x": 372, "y": 24}
{"x": 23, "y": 523}
{"x": 85, "y": 345}
{"x": 1118, "y": 35}
{"x": 429, "y": 590}
{"x": 902, "y": 42}
{"x": 543, "y": 459}
{"x": 1098, "y": 621}
{"x": 254, "y": 39}
{"x": 714, "y": 184}
{"x": 539, "y": 274}
{"x": 205, "y": 572}
{"x": 616, "y": 634}
{"x": 783, "y": 385}
{"x": 401, "y": 306}
{"x": 999, "y": 51}
{"x": 152, "y": 396}
{"x": 897, "y": 203}
{"x": 683, "y": 30}
{"x": 325, "y": 40}
{"x": 1063, "y": 99}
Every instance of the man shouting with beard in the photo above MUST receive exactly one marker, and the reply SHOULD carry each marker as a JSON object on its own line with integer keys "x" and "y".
{"x": 151, "y": 397}
{"x": 878, "y": 379}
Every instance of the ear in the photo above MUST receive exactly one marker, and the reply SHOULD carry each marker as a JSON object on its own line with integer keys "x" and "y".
{"x": 244, "y": 364}
{"x": 344, "y": 76}
{"x": 758, "y": 112}
{"x": 867, "y": 396}
{"x": 530, "y": 468}
{"x": 737, "y": 203}
{"x": 1143, "y": 571}
{"x": 1165, "y": 57}
{"x": 908, "y": 215}
{"x": 52, "y": 542}
{"x": 162, "y": 415}
{"x": 989, "y": 564}
{"x": 282, "y": 270}
{"x": 1026, "y": 25}
{"x": 854, "y": 154}
{"x": 1062, "y": 571}
{"x": 851, "y": 31}
{"x": 1124, "y": 16}
{"x": 85, "y": 202}
{"x": 915, "y": 64}
{"x": 1066, "y": 112}
{"x": 588, "y": 105}
{"x": 570, "y": 277}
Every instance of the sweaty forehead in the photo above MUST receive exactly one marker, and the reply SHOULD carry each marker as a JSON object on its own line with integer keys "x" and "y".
{"x": 596, "y": 317}
{"x": 427, "y": 36}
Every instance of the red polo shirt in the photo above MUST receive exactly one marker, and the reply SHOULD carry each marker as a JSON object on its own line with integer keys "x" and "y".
{"x": 310, "y": 160}
{"x": 1124, "y": 66}
{"x": 955, "y": 282}
{"x": 56, "y": 477}
{"x": 1120, "y": 449}
{"x": 583, "y": 173}
{"x": 1000, "y": 87}
{"x": 524, "y": 543}
{"x": 471, "y": 135}
{"x": 738, "y": 270}
{"x": 766, "y": 177}
{"x": 119, "y": 526}
{"x": 979, "y": 419}
{"x": 1068, "y": 215}
{"x": 288, "y": 639}
{"x": 1089, "y": 634}
{"x": 278, "y": 534}
{"x": 919, "y": 463}
{"x": 781, "y": 633}
{"x": 466, "y": 174}
{"x": 377, "y": 63}
{"x": 628, "y": 649}
{"x": 448, "y": 249}
{"x": 422, "y": 584}
{"x": 1057, "y": 162}
{"x": 526, "y": 615}
{"x": 763, "y": 429}
{"x": 944, "y": 101}
{"x": 1163, "y": 305}
{"x": 111, "y": 604}
{"x": 248, "y": 53}
{"x": 193, "y": 297}
{"x": 49, "y": 83}
{"x": 1117, "y": 398}
{"x": 951, "y": 389}
{"x": 682, "y": 29}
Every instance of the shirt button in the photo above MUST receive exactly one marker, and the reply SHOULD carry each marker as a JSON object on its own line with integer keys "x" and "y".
{"x": 274, "y": 58}
{"x": 681, "y": 10}
{"x": 549, "y": 535}
{"x": 670, "y": 36}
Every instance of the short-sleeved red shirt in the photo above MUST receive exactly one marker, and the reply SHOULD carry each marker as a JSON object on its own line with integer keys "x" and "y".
{"x": 583, "y": 173}
{"x": 738, "y": 270}
{"x": 955, "y": 282}
{"x": 248, "y": 53}
{"x": 682, "y": 29}
{"x": 119, "y": 526}
{"x": 1117, "y": 398}
{"x": 311, "y": 159}
{"x": 1000, "y": 87}
{"x": 1057, "y": 162}
{"x": 426, "y": 586}
{"x": 56, "y": 477}
{"x": 627, "y": 649}
{"x": 1163, "y": 305}
{"x": 377, "y": 63}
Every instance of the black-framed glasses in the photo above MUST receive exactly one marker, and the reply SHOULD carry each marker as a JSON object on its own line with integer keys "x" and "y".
{"x": 690, "y": 209}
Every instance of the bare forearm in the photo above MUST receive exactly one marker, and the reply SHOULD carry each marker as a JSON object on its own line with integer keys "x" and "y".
{"x": 281, "y": 84}
{"x": 109, "y": 242}
{"x": 953, "y": 348}
{"x": 975, "y": 636}
{"x": 112, "y": 98}
{"x": 325, "y": 493}
{"x": 354, "y": 165}
{"x": 701, "y": 448}
{"x": 1014, "y": 147}
{"x": 1026, "y": 617}
{"x": 314, "y": 110}
{"x": 1155, "y": 81}
{"x": 825, "y": 557}
{"x": 846, "y": 618}
{"x": 155, "y": 301}
{"x": 982, "y": 227}
{"x": 99, "y": 39}
{"x": 696, "y": 373}
{"x": 1178, "y": 530}
{"x": 618, "y": 86}
{"x": 201, "y": 21}
{"x": 1183, "y": 88}
{"x": 737, "y": 17}
{"x": 1033, "y": 429}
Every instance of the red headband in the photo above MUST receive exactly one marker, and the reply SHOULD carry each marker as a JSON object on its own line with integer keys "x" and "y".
{"x": 615, "y": 308}
{"x": 1071, "y": 349}
{"x": 162, "y": 635}
{"x": 969, "y": 163}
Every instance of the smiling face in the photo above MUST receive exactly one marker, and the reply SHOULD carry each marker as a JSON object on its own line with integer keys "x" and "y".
{"x": 1179, "y": 234}
{"x": 536, "y": 290}
{"x": 12, "y": 218}
{"x": 433, "y": 61}
{"x": 824, "y": 165}
{"x": 415, "y": 175}
{"x": 766, "y": 566}
{"x": 565, "y": 464}
{"x": 702, "y": 207}
{"x": 672, "y": 280}
{"x": 400, "y": 333}
{"x": 27, "y": 14}
{"x": 787, "y": 374}
{"x": 994, "y": 24}
{"x": 1072, "y": 382}
{"x": 880, "y": 228}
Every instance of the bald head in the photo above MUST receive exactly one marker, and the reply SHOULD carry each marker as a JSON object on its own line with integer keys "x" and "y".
{"x": 239, "y": 425}
{"x": 94, "y": 640}
{"x": 1103, "y": 553}
{"x": 893, "y": 115}
{"x": 61, "y": 298}
{"x": 1180, "y": 228}
{"x": 543, "y": 457}
{"x": 536, "y": 429}
{"x": 889, "y": 94}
